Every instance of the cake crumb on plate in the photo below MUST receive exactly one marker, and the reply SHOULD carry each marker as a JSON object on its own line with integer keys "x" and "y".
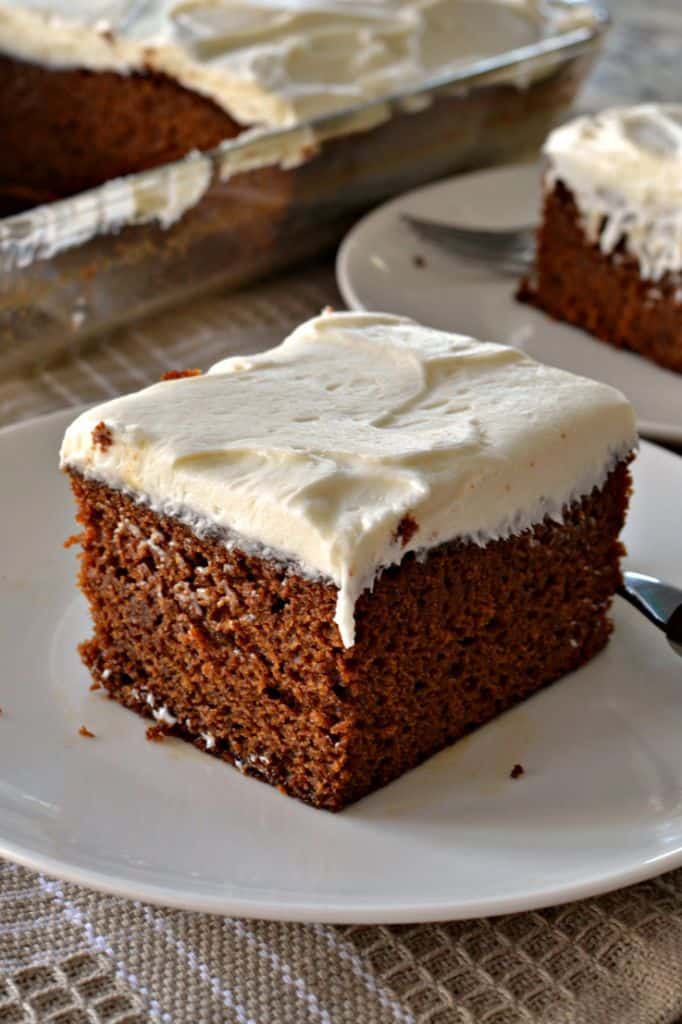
{"x": 156, "y": 733}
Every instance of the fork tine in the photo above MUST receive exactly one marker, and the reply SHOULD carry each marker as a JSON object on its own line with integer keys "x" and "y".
{"x": 515, "y": 247}
{"x": 514, "y": 267}
{"x": 484, "y": 236}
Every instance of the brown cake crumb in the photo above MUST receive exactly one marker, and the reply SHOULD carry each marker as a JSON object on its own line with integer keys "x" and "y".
{"x": 406, "y": 529}
{"x": 84, "y": 731}
{"x": 443, "y": 644}
{"x": 418, "y": 260}
{"x": 95, "y": 686}
{"x": 102, "y": 436}
{"x": 517, "y": 771}
{"x": 179, "y": 374}
{"x": 88, "y": 127}
{"x": 156, "y": 733}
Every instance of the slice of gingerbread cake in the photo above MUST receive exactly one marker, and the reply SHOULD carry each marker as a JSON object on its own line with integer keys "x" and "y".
{"x": 609, "y": 252}
{"x": 326, "y": 562}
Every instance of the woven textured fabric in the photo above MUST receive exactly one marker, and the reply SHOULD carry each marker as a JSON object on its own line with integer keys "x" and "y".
{"x": 71, "y": 956}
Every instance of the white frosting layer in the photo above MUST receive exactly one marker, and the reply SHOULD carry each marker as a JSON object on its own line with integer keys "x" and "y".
{"x": 279, "y": 62}
{"x": 624, "y": 168}
{"x": 318, "y": 448}
{"x": 164, "y": 195}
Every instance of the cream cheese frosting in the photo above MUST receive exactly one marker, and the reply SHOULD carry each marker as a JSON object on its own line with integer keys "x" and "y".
{"x": 163, "y": 195}
{"x": 624, "y": 168}
{"x": 314, "y": 451}
{"x": 281, "y": 62}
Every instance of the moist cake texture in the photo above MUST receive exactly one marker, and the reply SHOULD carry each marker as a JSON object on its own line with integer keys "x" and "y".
{"x": 609, "y": 253}
{"x": 326, "y": 562}
{"x": 88, "y": 127}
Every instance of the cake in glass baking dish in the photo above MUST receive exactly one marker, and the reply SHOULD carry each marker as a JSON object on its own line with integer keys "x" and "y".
{"x": 328, "y": 561}
{"x": 91, "y": 91}
{"x": 153, "y": 151}
{"x": 609, "y": 253}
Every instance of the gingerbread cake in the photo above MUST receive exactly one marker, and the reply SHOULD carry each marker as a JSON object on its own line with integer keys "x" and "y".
{"x": 326, "y": 562}
{"x": 609, "y": 249}
{"x": 91, "y": 92}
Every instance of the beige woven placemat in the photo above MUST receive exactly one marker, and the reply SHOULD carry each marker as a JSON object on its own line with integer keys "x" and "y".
{"x": 70, "y": 956}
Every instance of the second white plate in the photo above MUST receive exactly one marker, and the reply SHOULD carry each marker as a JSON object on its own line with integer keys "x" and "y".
{"x": 382, "y": 266}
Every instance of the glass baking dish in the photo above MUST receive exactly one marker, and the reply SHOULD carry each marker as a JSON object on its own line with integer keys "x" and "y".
{"x": 267, "y": 199}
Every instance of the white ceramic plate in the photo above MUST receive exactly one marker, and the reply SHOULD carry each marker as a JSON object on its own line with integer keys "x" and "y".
{"x": 600, "y": 804}
{"x": 376, "y": 270}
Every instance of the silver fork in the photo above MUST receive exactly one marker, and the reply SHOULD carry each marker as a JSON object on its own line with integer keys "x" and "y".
{"x": 510, "y": 251}
{"x": 660, "y": 602}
